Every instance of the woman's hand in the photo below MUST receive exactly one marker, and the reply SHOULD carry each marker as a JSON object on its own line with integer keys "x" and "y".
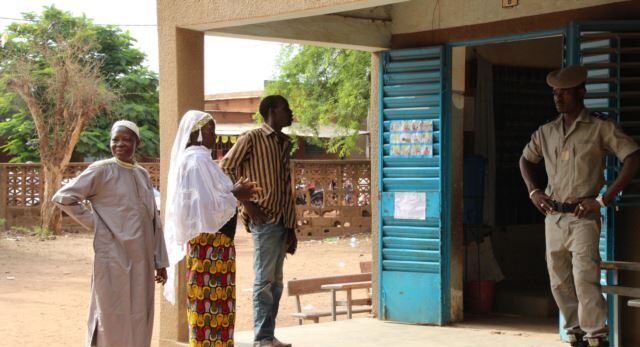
{"x": 161, "y": 275}
{"x": 245, "y": 190}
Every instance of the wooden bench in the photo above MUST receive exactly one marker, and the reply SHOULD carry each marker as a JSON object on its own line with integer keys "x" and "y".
{"x": 315, "y": 285}
{"x": 615, "y": 289}
{"x": 348, "y": 287}
{"x": 618, "y": 291}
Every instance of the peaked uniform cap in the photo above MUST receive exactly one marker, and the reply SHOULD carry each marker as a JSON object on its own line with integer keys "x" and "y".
{"x": 569, "y": 77}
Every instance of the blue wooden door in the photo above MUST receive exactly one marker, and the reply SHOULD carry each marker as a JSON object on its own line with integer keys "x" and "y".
{"x": 413, "y": 179}
{"x": 609, "y": 50}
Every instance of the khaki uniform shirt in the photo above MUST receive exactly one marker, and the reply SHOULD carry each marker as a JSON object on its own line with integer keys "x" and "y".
{"x": 574, "y": 160}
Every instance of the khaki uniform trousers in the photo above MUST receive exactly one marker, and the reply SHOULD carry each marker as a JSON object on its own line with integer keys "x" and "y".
{"x": 573, "y": 261}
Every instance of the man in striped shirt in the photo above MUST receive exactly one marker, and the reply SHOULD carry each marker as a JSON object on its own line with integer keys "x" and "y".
{"x": 262, "y": 156}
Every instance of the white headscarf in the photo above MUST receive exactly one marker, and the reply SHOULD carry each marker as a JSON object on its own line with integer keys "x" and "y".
{"x": 199, "y": 198}
{"x": 127, "y": 124}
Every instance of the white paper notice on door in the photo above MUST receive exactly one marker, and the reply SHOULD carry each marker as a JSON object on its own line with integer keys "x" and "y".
{"x": 410, "y": 205}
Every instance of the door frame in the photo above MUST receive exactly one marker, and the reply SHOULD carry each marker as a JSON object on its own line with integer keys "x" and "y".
{"x": 560, "y": 32}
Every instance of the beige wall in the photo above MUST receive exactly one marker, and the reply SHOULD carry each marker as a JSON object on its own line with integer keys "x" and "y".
{"x": 408, "y": 16}
{"x": 209, "y": 15}
{"x": 358, "y": 24}
{"x": 326, "y": 31}
{"x": 518, "y": 53}
{"x": 426, "y": 15}
{"x": 458, "y": 68}
{"x": 181, "y": 89}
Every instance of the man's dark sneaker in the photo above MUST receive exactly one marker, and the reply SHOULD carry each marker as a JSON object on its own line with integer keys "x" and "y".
{"x": 576, "y": 340}
{"x": 596, "y": 342}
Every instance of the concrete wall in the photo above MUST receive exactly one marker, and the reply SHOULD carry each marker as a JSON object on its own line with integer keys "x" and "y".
{"x": 458, "y": 68}
{"x": 242, "y": 102}
{"x": 518, "y": 53}
{"x": 211, "y": 15}
{"x": 181, "y": 89}
{"x": 427, "y": 15}
{"x": 232, "y": 108}
{"x": 472, "y": 21}
{"x": 360, "y": 24}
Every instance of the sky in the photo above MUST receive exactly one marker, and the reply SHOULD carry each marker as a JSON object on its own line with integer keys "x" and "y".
{"x": 231, "y": 65}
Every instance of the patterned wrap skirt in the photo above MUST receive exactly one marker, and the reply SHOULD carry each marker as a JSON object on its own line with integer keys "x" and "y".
{"x": 211, "y": 290}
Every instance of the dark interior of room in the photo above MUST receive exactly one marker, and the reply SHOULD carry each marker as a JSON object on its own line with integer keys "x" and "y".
{"x": 521, "y": 102}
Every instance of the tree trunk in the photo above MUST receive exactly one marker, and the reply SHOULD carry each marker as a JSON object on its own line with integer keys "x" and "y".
{"x": 51, "y": 215}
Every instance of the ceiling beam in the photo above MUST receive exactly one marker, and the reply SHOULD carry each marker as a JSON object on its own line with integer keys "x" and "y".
{"x": 238, "y": 13}
{"x": 328, "y": 31}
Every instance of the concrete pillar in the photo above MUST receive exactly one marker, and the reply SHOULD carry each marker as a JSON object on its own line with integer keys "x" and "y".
{"x": 374, "y": 128}
{"x": 458, "y": 63}
{"x": 181, "y": 89}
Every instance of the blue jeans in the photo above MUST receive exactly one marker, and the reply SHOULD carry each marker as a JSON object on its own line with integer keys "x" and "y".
{"x": 269, "y": 250}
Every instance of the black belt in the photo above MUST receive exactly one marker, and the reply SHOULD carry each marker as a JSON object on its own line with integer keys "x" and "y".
{"x": 563, "y": 207}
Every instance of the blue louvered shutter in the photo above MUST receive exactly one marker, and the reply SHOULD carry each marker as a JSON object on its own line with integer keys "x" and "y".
{"x": 611, "y": 53}
{"x": 413, "y": 251}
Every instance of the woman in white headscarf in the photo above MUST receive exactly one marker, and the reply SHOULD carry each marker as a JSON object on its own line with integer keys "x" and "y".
{"x": 201, "y": 200}
{"x": 128, "y": 242}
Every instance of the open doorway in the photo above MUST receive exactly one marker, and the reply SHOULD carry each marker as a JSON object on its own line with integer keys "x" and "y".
{"x": 506, "y": 100}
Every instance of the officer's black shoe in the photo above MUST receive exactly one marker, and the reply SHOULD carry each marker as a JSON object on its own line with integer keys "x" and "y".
{"x": 577, "y": 340}
{"x": 596, "y": 342}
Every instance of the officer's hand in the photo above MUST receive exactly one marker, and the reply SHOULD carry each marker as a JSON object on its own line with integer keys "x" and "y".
{"x": 586, "y": 207}
{"x": 542, "y": 202}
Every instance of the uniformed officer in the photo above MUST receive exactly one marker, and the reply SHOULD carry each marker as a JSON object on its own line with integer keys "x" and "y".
{"x": 573, "y": 147}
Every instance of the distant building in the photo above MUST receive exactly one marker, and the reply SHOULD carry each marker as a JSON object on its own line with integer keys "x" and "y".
{"x": 234, "y": 115}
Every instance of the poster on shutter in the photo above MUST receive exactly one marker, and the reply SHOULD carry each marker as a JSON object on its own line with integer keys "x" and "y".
{"x": 411, "y": 138}
{"x": 410, "y": 205}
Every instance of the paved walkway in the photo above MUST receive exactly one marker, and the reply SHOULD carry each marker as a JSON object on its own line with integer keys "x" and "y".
{"x": 368, "y": 332}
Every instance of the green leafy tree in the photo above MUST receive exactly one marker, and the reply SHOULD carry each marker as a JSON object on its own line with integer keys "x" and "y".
{"x": 120, "y": 67}
{"x": 18, "y": 130}
{"x": 137, "y": 90}
{"x": 57, "y": 73}
{"x": 326, "y": 86}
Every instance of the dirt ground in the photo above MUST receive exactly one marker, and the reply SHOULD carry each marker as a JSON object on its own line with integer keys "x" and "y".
{"x": 44, "y": 285}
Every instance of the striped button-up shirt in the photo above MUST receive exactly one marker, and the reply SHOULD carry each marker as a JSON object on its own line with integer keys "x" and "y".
{"x": 262, "y": 156}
